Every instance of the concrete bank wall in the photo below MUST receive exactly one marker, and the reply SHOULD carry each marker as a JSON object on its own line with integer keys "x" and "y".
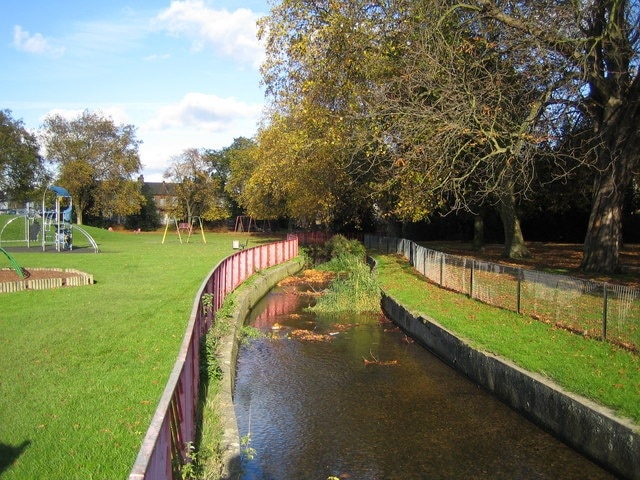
{"x": 587, "y": 427}
{"x": 247, "y": 295}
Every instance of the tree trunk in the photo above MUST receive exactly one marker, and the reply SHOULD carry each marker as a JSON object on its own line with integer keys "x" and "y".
{"x": 617, "y": 159}
{"x": 514, "y": 246}
{"x": 478, "y": 230}
{"x": 78, "y": 209}
{"x": 604, "y": 233}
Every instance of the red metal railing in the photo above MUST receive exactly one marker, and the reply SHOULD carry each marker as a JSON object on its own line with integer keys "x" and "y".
{"x": 174, "y": 423}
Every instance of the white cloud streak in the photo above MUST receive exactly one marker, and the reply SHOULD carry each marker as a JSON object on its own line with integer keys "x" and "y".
{"x": 35, "y": 44}
{"x": 230, "y": 34}
{"x": 208, "y": 112}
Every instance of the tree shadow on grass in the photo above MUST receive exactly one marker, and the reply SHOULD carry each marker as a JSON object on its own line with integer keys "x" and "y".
{"x": 9, "y": 454}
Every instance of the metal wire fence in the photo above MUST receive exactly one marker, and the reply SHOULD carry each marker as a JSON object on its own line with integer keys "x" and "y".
{"x": 595, "y": 309}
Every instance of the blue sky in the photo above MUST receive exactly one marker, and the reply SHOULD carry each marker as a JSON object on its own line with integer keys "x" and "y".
{"x": 185, "y": 73}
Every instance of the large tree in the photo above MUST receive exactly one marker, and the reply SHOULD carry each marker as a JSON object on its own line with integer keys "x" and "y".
{"x": 461, "y": 117}
{"x": 228, "y": 165}
{"x": 324, "y": 60}
{"x": 297, "y": 171}
{"x": 96, "y": 162}
{"x": 475, "y": 95}
{"x": 421, "y": 119}
{"x": 594, "y": 49}
{"x": 199, "y": 193}
{"x": 22, "y": 169}
{"x": 241, "y": 157}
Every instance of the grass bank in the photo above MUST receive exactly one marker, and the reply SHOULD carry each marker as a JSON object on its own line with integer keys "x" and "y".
{"x": 596, "y": 370}
{"x": 83, "y": 368}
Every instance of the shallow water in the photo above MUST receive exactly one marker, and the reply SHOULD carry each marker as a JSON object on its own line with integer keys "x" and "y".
{"x": 316, "y": 409}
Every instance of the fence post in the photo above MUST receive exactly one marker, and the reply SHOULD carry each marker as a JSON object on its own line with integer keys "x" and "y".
{"x": 519, "y": 293}
{"x": 605, "y": 301}
{"x": 473, "y": 267}
{"x": 441, "y": 268}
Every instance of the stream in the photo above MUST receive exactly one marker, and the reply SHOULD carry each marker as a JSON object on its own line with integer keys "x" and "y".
{"x": 352, "y": 397}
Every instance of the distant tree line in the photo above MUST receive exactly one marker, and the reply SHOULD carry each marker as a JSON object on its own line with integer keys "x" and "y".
{"x": 93, "y": 158}
{"x": 97, "y": 161}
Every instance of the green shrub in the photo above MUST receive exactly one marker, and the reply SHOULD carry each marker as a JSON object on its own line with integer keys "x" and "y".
{"x": 333, "y": 248}
{"x": 339, "y": 245}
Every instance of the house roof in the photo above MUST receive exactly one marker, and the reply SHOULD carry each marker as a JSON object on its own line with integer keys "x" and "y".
{"x": 161, "y": 188}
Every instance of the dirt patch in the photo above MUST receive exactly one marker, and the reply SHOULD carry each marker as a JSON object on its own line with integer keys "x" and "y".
{"x": 10, "y": 275}
{"x": 41, "y": 278}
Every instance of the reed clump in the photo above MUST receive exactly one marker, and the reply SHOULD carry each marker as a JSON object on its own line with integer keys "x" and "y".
{"x": 355, "y": 287}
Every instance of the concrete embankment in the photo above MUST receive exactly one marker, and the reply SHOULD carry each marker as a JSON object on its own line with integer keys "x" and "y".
{"x": 247, "y": 296}
{"x": 587, "y": 427}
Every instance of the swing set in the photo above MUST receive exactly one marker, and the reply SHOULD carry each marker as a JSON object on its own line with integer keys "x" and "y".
{"x": 245, "y": 223}
{"x": 184, "y": 228}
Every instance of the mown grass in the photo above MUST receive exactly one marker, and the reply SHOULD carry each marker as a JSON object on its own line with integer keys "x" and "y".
{"x": 597, "y": 370}
{"x": 83, "y": 368}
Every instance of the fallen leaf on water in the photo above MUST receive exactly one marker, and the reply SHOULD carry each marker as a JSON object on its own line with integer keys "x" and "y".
{"x": 375, "y": 361}
{"x": 307, "y": 335}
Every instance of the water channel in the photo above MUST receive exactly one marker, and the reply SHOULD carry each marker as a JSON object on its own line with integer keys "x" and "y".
{"x": 352, "y": 397}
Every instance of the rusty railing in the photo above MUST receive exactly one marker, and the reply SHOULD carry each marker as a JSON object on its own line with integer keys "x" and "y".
{"x": 174, "y": 423}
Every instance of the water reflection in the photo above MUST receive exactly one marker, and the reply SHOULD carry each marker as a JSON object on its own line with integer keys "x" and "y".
{"x": 315, "y": 409}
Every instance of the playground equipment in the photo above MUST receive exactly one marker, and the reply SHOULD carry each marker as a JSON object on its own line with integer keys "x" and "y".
{"x": 244, "y": 223}
{"x": 21, "y": 229}
{"x": 57, "y": 228}
{"x": 19, "y": 270}
{"x": 186, "y": 227}
{"x": 56, "y": 225}
{"x": 51, "y": 227}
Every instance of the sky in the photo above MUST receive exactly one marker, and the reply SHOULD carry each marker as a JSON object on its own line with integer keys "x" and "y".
{"x": 185, "y": 73}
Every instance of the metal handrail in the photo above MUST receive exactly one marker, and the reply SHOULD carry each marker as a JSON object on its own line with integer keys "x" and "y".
{"x": 173, "y": 425}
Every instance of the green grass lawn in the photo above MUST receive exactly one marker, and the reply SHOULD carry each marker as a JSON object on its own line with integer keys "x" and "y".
{"x": 83, "y": 368}
{"x": 597, "y": 370}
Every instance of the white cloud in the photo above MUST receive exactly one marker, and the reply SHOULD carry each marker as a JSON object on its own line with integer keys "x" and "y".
{"x": 206, "y": 112}
{"x": 36, "y": 43}
{"x": 231, "y": 34}
{"x": 197, "y": 121}
{"x": 99, "y": 38}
